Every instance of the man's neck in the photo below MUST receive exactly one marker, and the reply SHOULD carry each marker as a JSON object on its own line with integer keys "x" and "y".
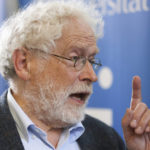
{"x": 53, "y": 134}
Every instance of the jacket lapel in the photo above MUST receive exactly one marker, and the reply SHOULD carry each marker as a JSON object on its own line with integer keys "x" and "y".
{"x": 86, "y": 141}
{"x": 9, "y": 136}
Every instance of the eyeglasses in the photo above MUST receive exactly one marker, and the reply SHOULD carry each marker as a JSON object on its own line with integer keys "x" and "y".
{"x": 80, "y": 61}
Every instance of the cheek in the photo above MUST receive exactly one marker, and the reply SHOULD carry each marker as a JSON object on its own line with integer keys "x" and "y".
{"x": 59, "y": 74}
{"x": 65, "y": 78}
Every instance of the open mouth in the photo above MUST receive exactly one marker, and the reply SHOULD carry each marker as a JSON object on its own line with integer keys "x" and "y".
{"x": 79, "y": 97}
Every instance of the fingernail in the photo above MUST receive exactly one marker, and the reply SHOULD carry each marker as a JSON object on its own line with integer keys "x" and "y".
{"x": 133, "y": 123}
{"x": 138, "y": 130}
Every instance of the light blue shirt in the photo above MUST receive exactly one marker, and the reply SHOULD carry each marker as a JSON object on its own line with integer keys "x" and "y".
{"x": 33, "y": 138}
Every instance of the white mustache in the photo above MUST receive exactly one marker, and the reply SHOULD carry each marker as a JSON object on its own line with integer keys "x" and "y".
{"x": 81, "y": 88}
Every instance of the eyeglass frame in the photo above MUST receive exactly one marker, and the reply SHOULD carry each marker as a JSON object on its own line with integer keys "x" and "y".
{"x": 79, "y": 57}
{"x": 75, "y": 61}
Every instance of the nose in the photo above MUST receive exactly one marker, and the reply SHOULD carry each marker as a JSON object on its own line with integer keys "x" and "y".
{"x": 87, "y": 73}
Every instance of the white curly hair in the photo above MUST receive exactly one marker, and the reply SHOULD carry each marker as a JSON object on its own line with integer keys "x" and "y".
{"x": 39, "y": 25}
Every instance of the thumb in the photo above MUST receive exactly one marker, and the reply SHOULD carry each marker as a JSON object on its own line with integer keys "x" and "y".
{"x": 127, "y": 130}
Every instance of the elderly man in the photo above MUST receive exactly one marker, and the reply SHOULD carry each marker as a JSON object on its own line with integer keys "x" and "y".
{"x": 48, "y": 56}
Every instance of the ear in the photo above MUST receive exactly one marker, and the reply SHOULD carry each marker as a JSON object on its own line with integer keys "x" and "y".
{"x": 21, "y": 64}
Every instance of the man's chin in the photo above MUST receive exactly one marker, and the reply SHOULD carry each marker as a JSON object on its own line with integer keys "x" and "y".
{"x": 65, "y": 119}
{"x": 69, "y": 122}
{"x": 71, "y": 114}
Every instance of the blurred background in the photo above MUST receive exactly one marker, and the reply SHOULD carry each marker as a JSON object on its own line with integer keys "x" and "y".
{"x": 124, "y": 51}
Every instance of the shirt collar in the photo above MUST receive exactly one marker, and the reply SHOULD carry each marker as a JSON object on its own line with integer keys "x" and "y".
{"x": 21, "y": 119}
{"x": 76, "y": 131}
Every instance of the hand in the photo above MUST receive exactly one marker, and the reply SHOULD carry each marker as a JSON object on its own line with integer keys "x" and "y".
{"x": 136, "y": 121}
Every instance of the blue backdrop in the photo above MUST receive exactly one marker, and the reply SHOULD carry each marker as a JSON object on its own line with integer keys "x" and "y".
{"x": 124, "y": 53}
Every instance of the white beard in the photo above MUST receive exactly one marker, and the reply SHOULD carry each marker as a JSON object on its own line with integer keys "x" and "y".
{"x": 53, "y": 107}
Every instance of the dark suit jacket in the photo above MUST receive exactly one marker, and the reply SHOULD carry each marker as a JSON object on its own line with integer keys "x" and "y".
{"x": 97, "y": 135}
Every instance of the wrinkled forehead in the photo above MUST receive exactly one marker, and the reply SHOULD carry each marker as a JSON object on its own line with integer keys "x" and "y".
{"x": 77, "y": 34}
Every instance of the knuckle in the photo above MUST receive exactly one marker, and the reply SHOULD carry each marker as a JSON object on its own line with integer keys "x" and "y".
{"x": 142, "y": 123}
{"x": 128, "y": 111}
{"x": 145, "y": 120}
{"x": 142, "y": 105}
{"x": 136, "y": 116}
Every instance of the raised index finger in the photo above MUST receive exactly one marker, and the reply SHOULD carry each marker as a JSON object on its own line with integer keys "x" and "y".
{"x": 136, "y": 92}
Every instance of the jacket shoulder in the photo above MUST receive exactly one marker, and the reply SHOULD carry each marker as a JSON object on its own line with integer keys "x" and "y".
{"x": 9, "y": 136}
{"x": 98, "y": 136}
